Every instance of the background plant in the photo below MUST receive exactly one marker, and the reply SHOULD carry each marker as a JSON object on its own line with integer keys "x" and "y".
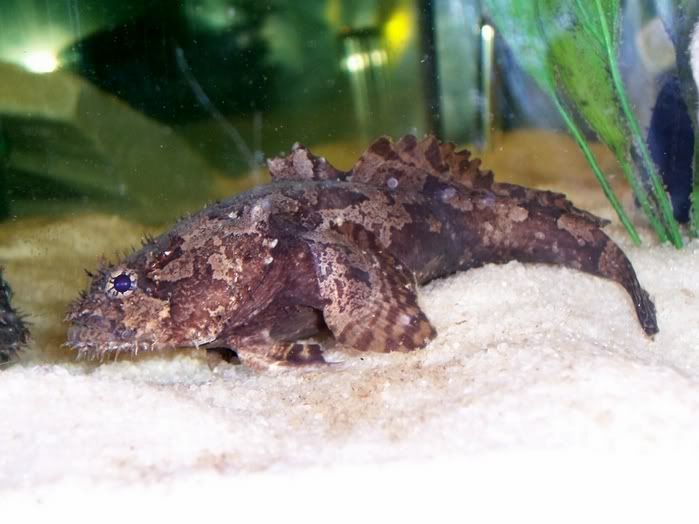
{"x": 570, "y": 47}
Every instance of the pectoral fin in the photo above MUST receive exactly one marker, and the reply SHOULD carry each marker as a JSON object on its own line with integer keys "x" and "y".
{"x": 370, "y": 298}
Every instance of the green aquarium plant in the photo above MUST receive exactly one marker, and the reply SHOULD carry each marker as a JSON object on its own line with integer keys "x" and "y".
{"x": 569, "y": 47}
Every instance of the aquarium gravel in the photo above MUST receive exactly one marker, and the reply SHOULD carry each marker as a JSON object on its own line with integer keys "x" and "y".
{"x": 540, "y": 383}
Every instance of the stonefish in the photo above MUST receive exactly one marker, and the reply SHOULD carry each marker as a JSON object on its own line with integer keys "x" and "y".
{"x": 319, "y": 249}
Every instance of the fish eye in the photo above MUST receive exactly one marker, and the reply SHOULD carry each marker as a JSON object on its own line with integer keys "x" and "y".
{"x": 121, "y": 283}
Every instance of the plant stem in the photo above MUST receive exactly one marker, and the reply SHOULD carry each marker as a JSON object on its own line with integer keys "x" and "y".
{"x": 659, "y": 191}
{"x": 601, "y": 179}
{"x": 640, "y": 193}
{"x": 587, "y": 22}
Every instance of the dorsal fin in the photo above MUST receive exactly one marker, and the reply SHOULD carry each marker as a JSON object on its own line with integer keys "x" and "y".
{"x": 301, "y": 164}
{"x": 409, "y": 162}
{"x": 545, "y": 199}
{"x": 465, "y": 169}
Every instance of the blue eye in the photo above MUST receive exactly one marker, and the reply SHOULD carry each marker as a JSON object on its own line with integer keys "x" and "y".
{"x": 122, "y": 283}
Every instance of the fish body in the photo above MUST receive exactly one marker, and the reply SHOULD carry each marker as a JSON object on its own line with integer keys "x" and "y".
{"x": 322, "y": 249}
{"x": 13, "y": 329}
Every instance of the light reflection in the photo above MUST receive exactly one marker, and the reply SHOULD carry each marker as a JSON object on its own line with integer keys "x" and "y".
{"x": 40, "y": 61}
{"x": 487, "y": 82}
{"x": 359, "y": 61}
{"x": 487, "y": 32}
{"x": 398, "y": 29}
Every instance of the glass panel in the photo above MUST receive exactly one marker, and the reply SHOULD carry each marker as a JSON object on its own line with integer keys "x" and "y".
{"x": 116, "y": 118}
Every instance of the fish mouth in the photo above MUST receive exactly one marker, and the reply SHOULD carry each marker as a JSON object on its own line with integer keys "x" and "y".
{"x": 91, "y": 344}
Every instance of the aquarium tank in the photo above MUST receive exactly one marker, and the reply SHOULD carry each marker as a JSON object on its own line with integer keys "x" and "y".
{"x": 302, "y": 258}
{"x": 118, "y": 118}
{"x": 150, "y": 109}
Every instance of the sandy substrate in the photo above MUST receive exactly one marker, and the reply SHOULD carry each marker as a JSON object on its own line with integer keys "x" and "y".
{"x": 540, "y": 384}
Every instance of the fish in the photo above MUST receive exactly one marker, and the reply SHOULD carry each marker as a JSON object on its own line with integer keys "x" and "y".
{"x": 320, "y": 252}
{"x": 14, "y": 333}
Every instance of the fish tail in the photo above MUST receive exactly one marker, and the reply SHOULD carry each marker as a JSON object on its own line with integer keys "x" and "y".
{"x": 552, "y": 235}
{"x": 615, "y": 265}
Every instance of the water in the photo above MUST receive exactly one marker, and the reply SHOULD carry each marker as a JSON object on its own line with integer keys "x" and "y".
{"x": 120, "y": 106}
{"x": 116, "y": 118}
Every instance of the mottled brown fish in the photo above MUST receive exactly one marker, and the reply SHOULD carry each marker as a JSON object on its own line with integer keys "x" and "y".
{"x": 319, "y": 248}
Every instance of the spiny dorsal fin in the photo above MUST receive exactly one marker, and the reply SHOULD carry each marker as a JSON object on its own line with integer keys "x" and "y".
{"x": 464, "y": 169}
{"x": 408, "y": 162}
{"x": 543, "y": 198}
{"x": 411, "y": 160}
{"x": 301, "y": 164}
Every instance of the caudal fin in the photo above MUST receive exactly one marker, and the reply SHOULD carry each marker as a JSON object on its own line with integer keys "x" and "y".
{"x": 615, "y": 265}
{"x": 555, "y": 235}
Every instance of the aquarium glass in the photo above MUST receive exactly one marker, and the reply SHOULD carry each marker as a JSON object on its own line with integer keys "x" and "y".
{"x": 150, "y": 108}
{"x": 118, "y": 118}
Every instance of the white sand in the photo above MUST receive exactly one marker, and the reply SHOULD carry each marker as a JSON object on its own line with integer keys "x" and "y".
{"x": 540, "y": 396}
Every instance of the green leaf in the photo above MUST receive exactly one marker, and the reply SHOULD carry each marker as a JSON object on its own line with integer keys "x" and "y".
{"x": 586, "y": 80}
{"x": 659, "y": 194}
{"x": 579, "y": 64}
{"x": 611, "y": 11}
{"x": 585, "y": 11}
{"x": 571, "y": 47}
{"x": 582, "y": 72}
{"x": 522, "y": 26}
{"x": 518, "y": 22}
